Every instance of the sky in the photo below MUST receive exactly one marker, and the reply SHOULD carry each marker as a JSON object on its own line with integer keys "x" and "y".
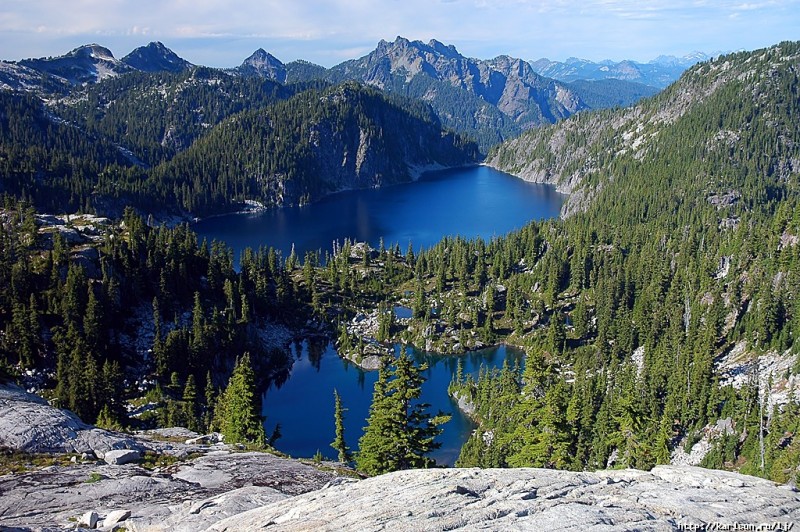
{"x": 327, "y": 32}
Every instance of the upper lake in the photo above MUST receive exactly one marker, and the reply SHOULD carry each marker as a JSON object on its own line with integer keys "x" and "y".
{"x": 472, "y": 202}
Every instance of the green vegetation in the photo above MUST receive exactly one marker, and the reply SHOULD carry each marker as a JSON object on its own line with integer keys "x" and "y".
{"x": 680, "y": 263}
{"x": 205, "y": 142}
{"x": 238, "y": 411}
{"x": 338, "y": 417}
{"x": 399, "y": 431}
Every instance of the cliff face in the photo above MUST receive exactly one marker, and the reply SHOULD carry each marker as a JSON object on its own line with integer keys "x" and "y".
{"x": 317, "y": 143}
{"x": 582, "y": 154}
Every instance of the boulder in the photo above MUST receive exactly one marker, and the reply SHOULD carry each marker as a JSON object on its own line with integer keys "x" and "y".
{"x": 29, "y": 424}
{"x": 89, "y": 520}
{"x": 115, "y": 517}
{"x": 121, "y": 456}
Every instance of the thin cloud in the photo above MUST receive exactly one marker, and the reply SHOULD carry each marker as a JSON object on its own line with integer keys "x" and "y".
{"x": 328, "y": 31}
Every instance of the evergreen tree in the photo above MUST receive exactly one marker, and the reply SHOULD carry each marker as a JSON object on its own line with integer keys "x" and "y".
{"x": 238, "y": 411}
{"x": 399, "y": 432}
{"x": 338, "y": 416}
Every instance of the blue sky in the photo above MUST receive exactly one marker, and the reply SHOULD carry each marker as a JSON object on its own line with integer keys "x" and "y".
{"x": 326, "y": 32}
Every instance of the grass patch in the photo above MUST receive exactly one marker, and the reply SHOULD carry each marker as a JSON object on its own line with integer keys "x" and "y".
{"x": 94, "y": 477}
{"x": 18, "y": 462}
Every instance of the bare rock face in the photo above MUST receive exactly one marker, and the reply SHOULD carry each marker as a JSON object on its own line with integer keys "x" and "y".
{"x": 186, "y": 496}
{"x": 29, "y": 424}
{"x": 530, "y": 499}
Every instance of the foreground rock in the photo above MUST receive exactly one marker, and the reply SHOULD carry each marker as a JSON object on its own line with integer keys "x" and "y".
{"x": 183, "y": 497}
{"x": 222, "y": 489}
{"x": 530, "y": 499}
{"x": 29, "y": 424}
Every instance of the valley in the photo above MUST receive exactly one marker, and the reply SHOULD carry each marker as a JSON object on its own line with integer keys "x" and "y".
{"x": 647, "y": 306}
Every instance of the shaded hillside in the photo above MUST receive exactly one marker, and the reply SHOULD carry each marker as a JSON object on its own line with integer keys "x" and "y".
{"x": 489, "y": 100}
{"x": 315, "y": 143}
{"x": 158, "y": 115}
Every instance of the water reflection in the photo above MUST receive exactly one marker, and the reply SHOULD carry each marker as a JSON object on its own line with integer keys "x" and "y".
{"x": 303, "y": 404}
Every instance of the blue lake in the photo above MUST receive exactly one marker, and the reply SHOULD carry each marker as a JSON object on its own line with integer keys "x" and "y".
{"x": 303, "y": 405}
{"x": 471, "y": 202}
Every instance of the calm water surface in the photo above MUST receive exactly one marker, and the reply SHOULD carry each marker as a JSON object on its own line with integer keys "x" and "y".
{"x": 471, "y": 202}
{"x": 303, "y": 405}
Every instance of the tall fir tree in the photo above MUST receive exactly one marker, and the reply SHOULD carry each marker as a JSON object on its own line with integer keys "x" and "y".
{"x": 238, "y": 412}
{"x": 400, "y": 433}
{"x": 338, "y": 416}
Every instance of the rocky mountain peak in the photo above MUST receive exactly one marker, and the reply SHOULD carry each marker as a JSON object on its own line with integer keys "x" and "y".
{"x": 155, "y": 57}
{"x": 264, "y": 64}
{"x": 86, "y": 64}
{"x": 92, "y": 51}
{"x": 446, "y": 50}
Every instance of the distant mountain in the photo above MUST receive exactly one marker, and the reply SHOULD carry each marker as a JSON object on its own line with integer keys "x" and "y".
{"x": 155, "y": 57}
{"x": 490, "y": 100}
{"x": 90, "y": 63}
{"x": 509, "y": 84}
{"x": 86, "y": 64}
{"x": 264, "y": 64}
{"x": 657, "y": 73}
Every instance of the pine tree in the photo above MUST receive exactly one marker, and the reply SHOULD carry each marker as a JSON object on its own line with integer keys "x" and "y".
{"x": 238, "y": 414}
{"x": 399, "y": 432}
{"x": 338, "y": 416}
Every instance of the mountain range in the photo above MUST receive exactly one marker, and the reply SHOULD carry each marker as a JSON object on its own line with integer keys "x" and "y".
{"x": 658, "y": 73}
{"x": 489, "y": 100}
{"x": 138, "y": 113}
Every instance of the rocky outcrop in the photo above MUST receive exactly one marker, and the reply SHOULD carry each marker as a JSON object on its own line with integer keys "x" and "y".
{"x": 86, "y": 64}
{"x": 262, "y": 63}
{"x": 530, "y": 499}
{"x": 184, "y": 496}
{"x": 29, "y": 424}
{"x": 223, "y": 489}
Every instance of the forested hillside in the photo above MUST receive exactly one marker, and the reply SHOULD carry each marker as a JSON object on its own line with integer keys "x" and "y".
{"x": 681, "y": 273}
{"x": 160, "y": 142}
{"x": 313, "y": 144}
{"x": 660, "y": 314}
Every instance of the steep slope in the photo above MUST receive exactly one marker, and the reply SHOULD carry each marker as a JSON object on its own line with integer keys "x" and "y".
{"x": 523, "y": 98}
{"x": 316, "y": 143}
{"x": 263, "y": 64}
{"x": 47, "y": 160}
{"x": 156, "y": 115}
{"x": 677, "y": 265}
{"x": 155, "y": 57}
{"x": 704, "y": 102}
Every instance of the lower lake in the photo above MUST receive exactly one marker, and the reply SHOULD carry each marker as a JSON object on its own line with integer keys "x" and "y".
{"x": 470, "y": 202}
{"x": 303, "y": 405}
